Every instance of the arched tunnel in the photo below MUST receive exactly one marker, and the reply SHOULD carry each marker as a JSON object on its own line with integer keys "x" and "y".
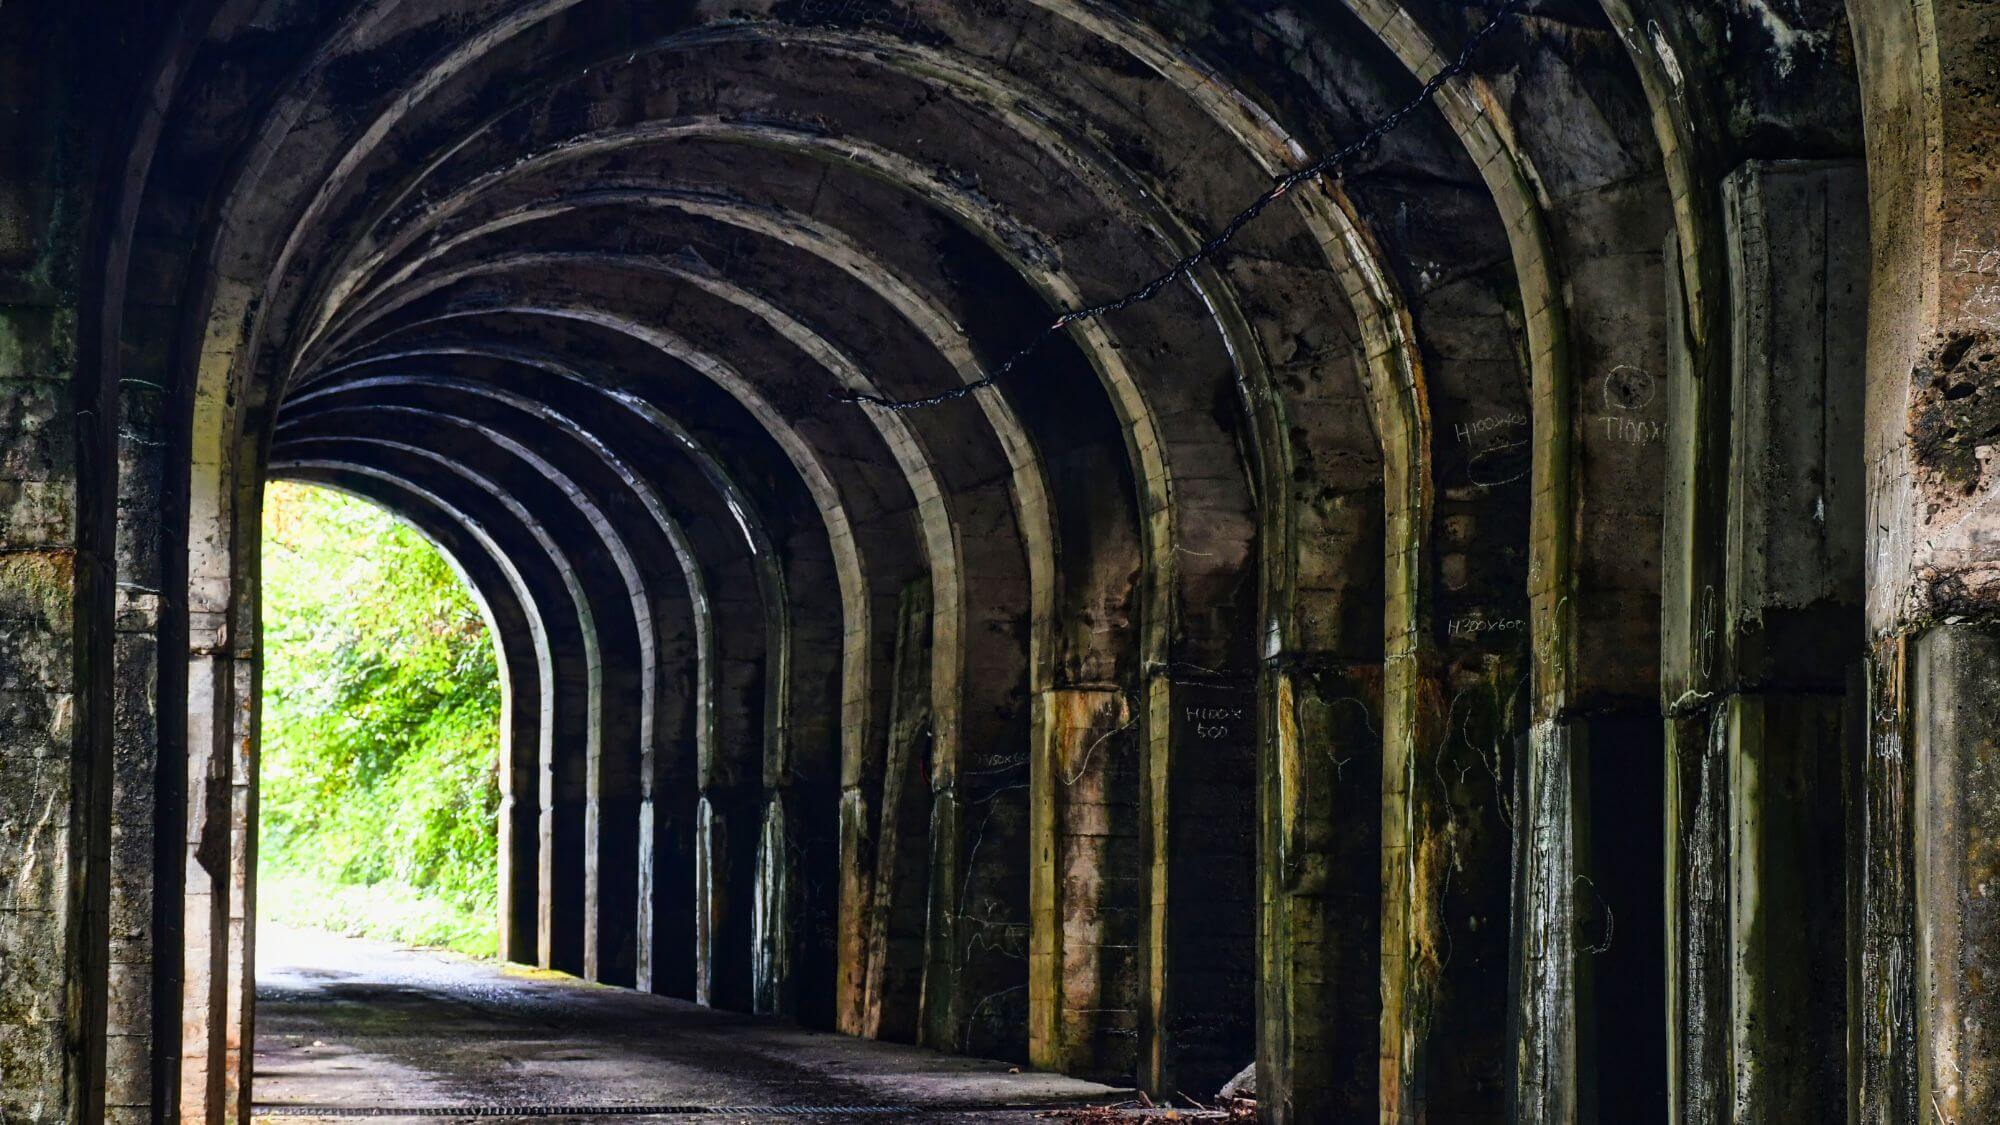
{"x": 1503, "y": 629}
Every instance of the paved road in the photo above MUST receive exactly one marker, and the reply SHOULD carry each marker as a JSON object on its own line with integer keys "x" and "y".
{"x": 365, "y": 1025}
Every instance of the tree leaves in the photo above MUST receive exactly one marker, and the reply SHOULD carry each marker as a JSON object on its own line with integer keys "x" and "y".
{"x": 381, "y": 726}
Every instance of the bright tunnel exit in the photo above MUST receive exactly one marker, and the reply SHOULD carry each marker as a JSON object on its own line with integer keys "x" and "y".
{"x": 379, "y": 786}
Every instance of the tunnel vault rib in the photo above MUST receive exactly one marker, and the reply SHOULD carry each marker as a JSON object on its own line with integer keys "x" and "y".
{"x": 1493, "y": 644}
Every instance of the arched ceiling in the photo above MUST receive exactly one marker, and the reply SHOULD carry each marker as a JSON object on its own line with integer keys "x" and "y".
{"x": 664, "y": 239}
{"x": 611, "y": 296}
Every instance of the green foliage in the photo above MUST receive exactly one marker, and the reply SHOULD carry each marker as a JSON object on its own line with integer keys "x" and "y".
{"x": 379, "y": 788}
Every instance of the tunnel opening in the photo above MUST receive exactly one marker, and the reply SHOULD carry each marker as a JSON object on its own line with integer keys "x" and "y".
{"x": 378, "y": 794}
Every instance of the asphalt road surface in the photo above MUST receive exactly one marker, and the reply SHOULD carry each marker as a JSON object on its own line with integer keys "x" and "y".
{"x": 349, "y": 1028}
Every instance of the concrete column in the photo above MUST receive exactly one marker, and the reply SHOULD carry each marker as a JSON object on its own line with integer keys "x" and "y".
{"x": 143, "y": 822}
{"x": 523, "y": 711}
{"x": 1198, "y": 1016}
{"x": 1763, "y": 631}
{"x": 58, "y": 423}
{"x": 859, "y": 820}
{"x": 726, "y": 828}
{"x": 667, "y": 882}
{"x": 898, "y": 881}
{"x": 611, "y": 861}
{"x": 774, "y": 913}
{"x": 1448, "y": 797}
{"x": 1927, "y": 828}
{"x": 711, "y": 865}
{"x": 940, "y": 1010}
{"x": 1085, "y": 885}
{"x": 1587, "y": 941}
{"x": 1544, "y": 925}
{"x": 1922, "y": 942}
{"x": 1320, "y": 895}
{"x": 239, "y": 1004}
{"x": 857, "y": 880}
{"x": 813, "y": 844}
{"x": 1957, "y": 727}
{"x": 205, "y": 893}
{"x": 52, "y": 973}
{"x": 669, "y": 778}
{"x": 1881, "y": 901}
{"x": 561, "y": 813}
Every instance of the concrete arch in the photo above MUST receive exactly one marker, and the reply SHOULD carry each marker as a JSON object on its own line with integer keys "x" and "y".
{"x": 902, "y": 443}
{"x": 617, "y": 729}
{"x": 317, "y": 194}
{"x": 756, "y": 551}
{"x": 948, "y": 623}
{"x": 559, "y": 854}
{"x": 847, "y": 536}
{"x": 527, "y": 670}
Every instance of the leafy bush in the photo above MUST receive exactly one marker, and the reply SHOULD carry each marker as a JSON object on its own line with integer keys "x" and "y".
{"x": 379, "y": 787}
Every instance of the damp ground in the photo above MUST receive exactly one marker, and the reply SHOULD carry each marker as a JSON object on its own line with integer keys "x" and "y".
{"x": 348, "y": 1028}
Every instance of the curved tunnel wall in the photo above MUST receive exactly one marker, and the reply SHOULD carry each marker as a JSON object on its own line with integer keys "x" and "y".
{"x": 1423, "y": 649}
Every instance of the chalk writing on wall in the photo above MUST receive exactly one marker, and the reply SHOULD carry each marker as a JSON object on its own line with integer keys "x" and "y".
{"x": 1982, "y": 303}
{"x": 1632, "y": 431}
{"x": 1477, "y": 432}
{"x": 1628, "y": 391}
{"x": 1628, "y": 388}
{"x": 1215, "y": 723}
{"x": 1499, "y": 464}
{"x": 1974, "y": 259}
{"x": 1475, "y": 624}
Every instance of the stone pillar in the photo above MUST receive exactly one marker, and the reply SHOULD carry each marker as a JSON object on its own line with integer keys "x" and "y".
{"x": 1925, "y": 1001}
{"x": 1957, "y": 705}
{"x": 1763, "y": 634}
{"x": 239, "y": 1003}
{"x": 774, "y": 913}
{"x": 1320, "y": 895}
{"x": 52, "y": 974}
{"x": 205, "y": 893}
{"x": 1198, "y": 1016}
{"x": 57, "y": 478}
{"x": 1084, "y": 883}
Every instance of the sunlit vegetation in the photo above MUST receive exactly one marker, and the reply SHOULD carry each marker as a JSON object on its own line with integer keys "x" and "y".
{"x": 379, "y": 788}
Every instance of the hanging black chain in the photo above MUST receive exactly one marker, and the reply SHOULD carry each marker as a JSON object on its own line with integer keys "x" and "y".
{"x": 1331, "y": 162}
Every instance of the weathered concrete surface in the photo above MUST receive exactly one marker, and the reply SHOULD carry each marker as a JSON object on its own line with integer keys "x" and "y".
{"x": 1957, "y": 771}
{"x": 1932, "y": 184}
{"x": 1084, "y": 956}
{"x": 360, "y": 1024}
{"x": 1321, "y": 905}
{"x": 1757, "y": 691}
{"x": 1927, "y": 86}
{"x": 57, "y": 546}
{"x": 1514, "y": 468}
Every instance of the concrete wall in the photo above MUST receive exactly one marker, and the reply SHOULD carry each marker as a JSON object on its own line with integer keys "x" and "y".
{"x": 1505, "y": 641}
